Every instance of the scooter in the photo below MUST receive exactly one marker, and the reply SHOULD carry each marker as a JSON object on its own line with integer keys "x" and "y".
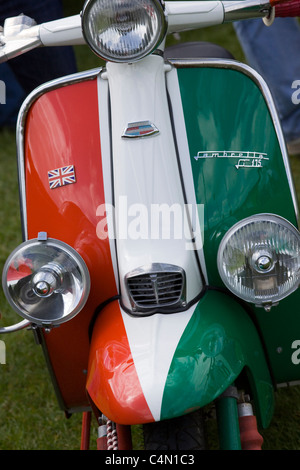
{"x": 160, "y": 263}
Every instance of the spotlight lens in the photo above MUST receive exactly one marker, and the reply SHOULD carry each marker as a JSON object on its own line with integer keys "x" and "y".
{"x": 46, "y": 282}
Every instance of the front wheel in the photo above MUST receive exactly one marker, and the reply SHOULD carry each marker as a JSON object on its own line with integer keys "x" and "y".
{"x": 182, "y": 433}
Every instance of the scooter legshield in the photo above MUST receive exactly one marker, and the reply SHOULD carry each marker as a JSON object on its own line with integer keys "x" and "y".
{"x": 61, "y": 179}
{"x": 162, "y": 366}
{"x": 240, "y": 168}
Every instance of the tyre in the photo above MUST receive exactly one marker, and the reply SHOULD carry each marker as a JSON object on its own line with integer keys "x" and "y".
{"x": 183, "y": 433}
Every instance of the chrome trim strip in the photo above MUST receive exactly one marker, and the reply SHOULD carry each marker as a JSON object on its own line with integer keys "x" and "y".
{"x": 262, "y": 85}
{"x": 241, "y": 10}
{"x": 20, "y": 129}
{"x": 104, "y": 113}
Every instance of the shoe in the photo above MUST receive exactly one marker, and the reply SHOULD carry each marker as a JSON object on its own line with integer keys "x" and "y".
{"x": 294, "y": 147}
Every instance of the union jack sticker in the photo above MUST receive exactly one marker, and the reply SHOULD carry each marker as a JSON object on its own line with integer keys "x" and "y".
{"x": 61, "y": 176}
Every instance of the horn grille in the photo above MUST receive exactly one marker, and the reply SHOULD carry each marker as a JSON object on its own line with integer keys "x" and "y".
{"x": 159, "y": 287}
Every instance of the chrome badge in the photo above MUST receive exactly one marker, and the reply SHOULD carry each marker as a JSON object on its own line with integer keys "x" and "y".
{"x": 135, "y": 130}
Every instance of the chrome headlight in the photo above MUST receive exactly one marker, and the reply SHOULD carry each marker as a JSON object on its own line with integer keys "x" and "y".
{"x": 46, "y": 282}
{"x": 123, "y": 30}
{"x": 259, "y": 259}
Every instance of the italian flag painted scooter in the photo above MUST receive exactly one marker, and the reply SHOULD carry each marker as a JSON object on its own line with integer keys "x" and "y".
{"x": 144, "y": 169}
{"x": 219, "y": 146}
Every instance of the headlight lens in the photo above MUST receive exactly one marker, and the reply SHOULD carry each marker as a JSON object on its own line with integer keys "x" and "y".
{"x": 46, "y": 282}
{"x": 259, "y": 259}
{"x": 123, "y": 30}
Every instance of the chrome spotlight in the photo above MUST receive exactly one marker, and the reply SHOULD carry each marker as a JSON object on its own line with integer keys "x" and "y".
{"x": 46, "y": 282}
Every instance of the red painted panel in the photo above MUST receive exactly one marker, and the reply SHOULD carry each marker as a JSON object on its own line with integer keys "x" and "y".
{"x": 113, "y": 382}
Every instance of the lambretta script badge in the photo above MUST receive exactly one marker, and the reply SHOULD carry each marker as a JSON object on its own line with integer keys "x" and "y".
{"x": 240, "y": 159}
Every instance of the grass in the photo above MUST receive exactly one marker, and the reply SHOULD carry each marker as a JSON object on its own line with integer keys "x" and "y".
{"x": 29, "y": 415}
{"x": 30, "y": 418}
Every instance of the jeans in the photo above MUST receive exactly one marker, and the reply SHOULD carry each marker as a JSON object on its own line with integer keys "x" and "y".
{"x": 274, "y": 52}
{"x": 39, "y": 65}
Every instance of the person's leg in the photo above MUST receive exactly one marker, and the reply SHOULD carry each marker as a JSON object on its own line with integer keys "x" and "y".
{"x": 274, "y": 52}
{"x": 44, "y": 64}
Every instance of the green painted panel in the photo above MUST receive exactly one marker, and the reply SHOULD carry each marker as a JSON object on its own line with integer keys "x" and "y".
{"x": 219, "y": 341}
{"x": 226, "y": 117}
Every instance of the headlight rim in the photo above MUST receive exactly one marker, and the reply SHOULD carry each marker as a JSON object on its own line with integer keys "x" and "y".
{"x": 266, "y": 216}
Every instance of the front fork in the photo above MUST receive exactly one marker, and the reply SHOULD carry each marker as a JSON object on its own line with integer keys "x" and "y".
{"x": 237, "y": 427}
{"x": 112, "y": 436}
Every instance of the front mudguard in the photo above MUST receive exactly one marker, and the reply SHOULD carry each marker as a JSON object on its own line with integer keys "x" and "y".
{"x": 162, "y": 366}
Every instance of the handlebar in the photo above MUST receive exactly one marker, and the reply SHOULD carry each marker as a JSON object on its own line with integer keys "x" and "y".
{"x": 20, "y": 36}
